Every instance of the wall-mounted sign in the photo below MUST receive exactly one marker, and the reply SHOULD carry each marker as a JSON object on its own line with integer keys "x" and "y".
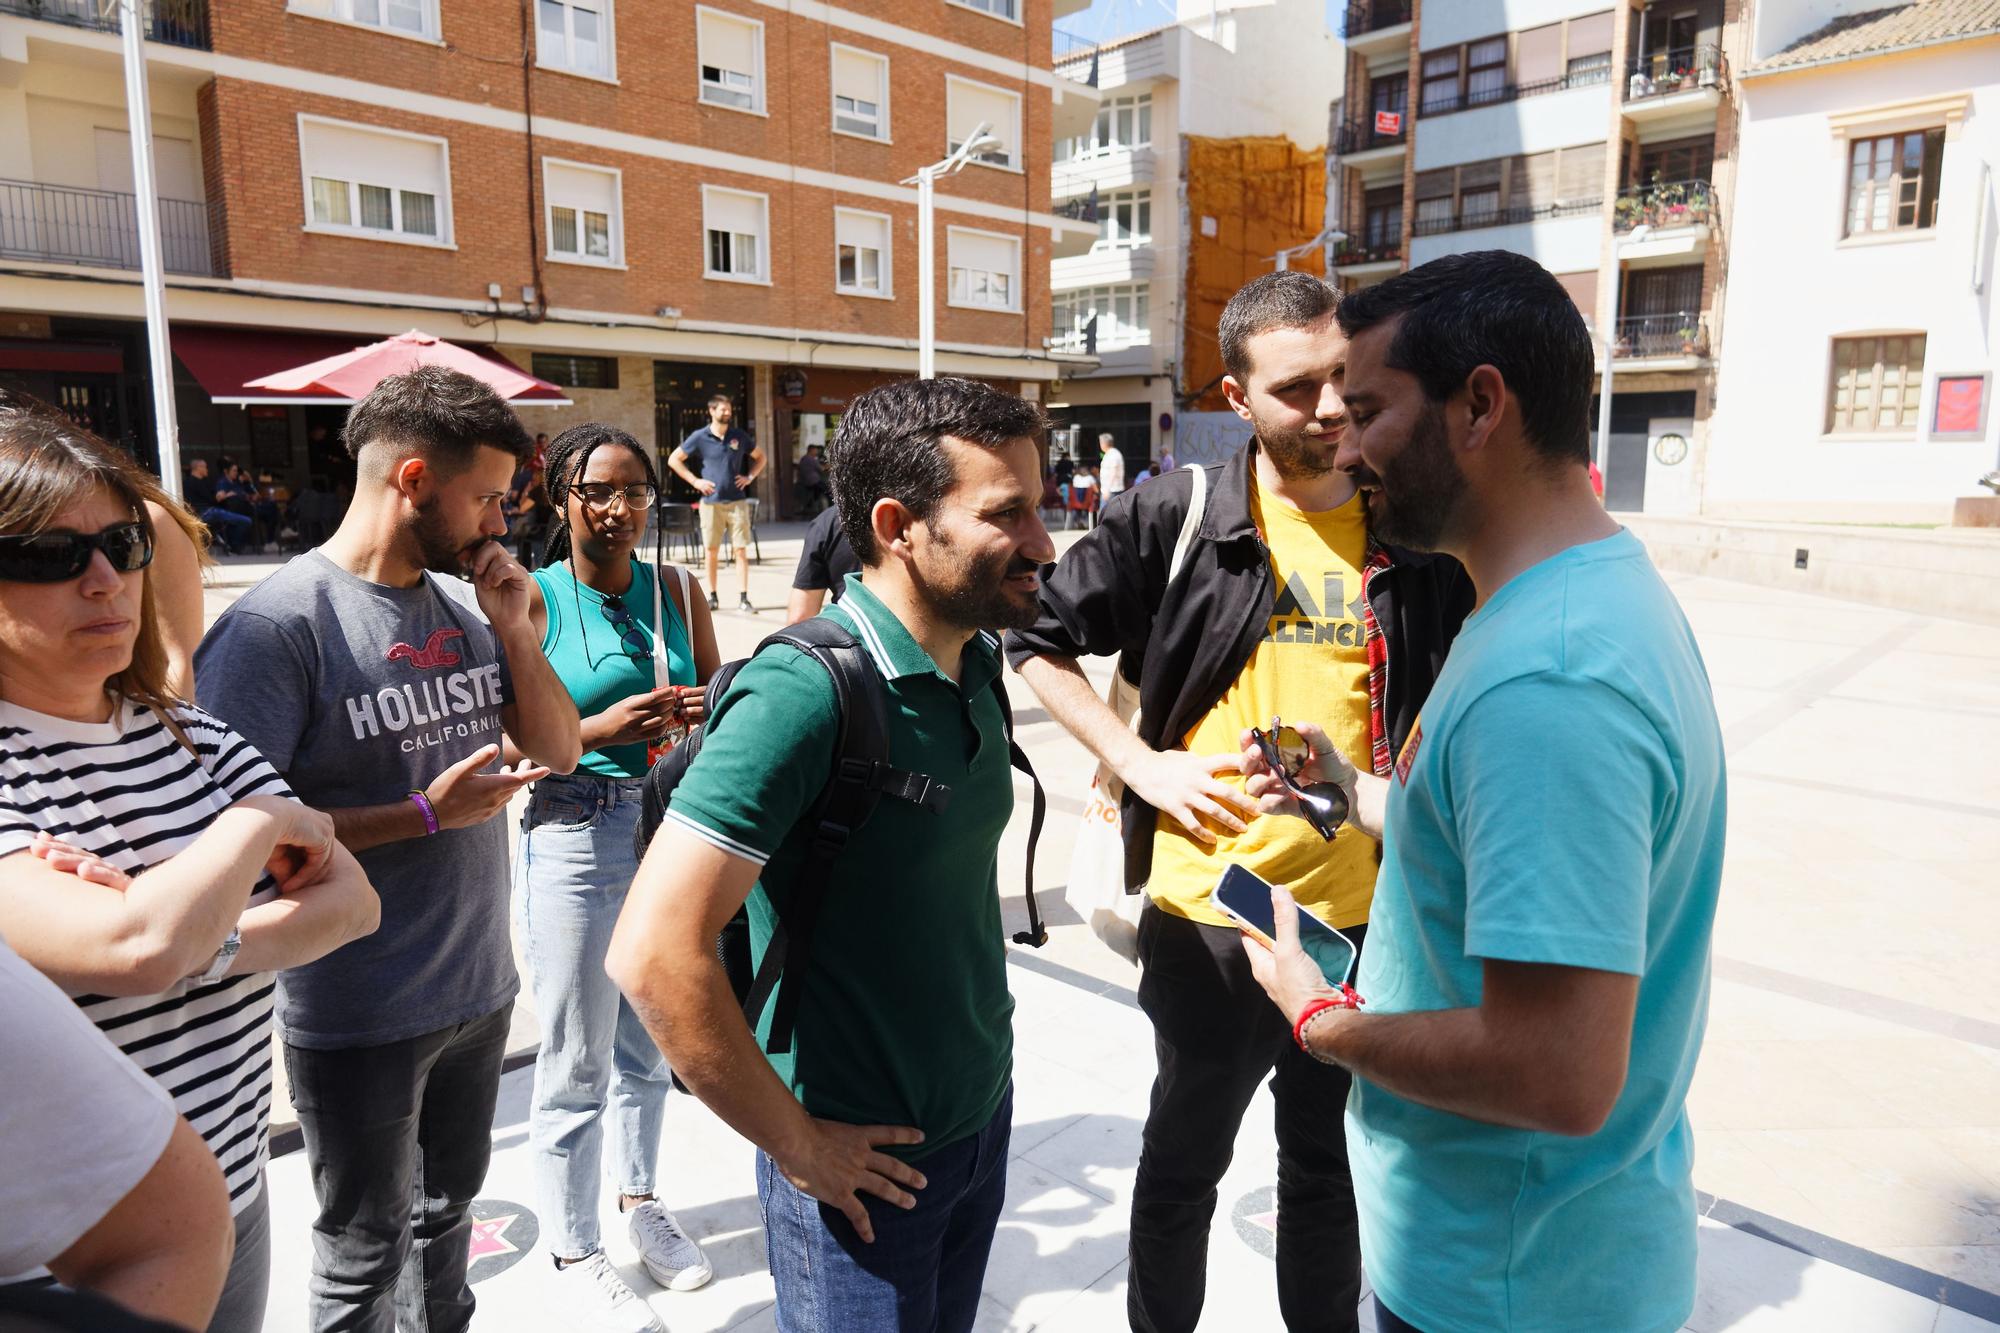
{"x": 792, "y": 385}
{"x": 1388, "y": 122}
{"x": 1671, "y": 448}
{"x": 1961, "y": 405}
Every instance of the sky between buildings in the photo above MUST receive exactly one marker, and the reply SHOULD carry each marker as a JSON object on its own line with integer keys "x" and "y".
{"x": 1108, "y": 20}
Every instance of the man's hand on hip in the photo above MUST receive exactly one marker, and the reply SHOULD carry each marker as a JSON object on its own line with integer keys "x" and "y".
{"x": 837, "y": 1163}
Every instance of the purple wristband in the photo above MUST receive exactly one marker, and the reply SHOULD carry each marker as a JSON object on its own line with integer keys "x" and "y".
{"x": 424, "y": 807}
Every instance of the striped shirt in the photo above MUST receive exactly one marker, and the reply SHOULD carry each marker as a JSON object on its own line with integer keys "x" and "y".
{"x": 129, "y": 792}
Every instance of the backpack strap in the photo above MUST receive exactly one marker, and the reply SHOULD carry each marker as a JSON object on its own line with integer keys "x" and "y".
{"x": 1037, "y": 934}
{"x": 862, "y": 776}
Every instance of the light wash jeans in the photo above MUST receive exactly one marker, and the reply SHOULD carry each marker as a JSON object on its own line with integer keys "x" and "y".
{"x": 570, "y": 876}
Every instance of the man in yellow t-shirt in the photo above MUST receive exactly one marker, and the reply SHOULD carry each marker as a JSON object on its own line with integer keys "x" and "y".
{"x": 1312, "y": 660}
{"x": 1281, "y": 605}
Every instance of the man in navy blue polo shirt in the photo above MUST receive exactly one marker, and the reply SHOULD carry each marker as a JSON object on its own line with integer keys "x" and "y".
{"x": 730, "y": 462}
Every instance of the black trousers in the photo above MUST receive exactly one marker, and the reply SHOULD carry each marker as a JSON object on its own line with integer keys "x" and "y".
{"x": 397, "y": 1140}
{"x": 1217, "y": 1035}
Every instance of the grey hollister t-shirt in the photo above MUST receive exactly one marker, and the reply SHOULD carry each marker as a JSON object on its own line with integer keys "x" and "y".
{"x": 359, "y": 694}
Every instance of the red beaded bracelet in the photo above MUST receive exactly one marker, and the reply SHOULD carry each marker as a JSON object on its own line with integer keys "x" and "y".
{"x": 1347, "y": 999}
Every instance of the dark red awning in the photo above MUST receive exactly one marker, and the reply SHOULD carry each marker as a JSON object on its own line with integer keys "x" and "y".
{"x": 225, "y": 360}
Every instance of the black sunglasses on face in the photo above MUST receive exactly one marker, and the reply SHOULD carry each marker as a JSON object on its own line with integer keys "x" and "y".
{"x": 1321, "y": 804}
{"x": 57, "y": 557}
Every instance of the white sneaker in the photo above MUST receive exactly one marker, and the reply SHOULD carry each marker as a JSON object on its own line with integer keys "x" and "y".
{"x": 674, "y": 1260}
{"x": 593, "y": 1291}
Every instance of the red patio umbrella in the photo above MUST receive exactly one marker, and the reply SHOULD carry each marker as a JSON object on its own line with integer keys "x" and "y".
{"x": 352, "y": 375}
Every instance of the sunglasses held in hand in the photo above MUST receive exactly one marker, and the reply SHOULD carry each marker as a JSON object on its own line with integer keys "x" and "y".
{"x": 58, "y": 557}
{"x": 1321, "y": 804}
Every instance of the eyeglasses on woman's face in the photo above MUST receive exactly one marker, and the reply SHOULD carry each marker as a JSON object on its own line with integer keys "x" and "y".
{"x": 599, "y": 495}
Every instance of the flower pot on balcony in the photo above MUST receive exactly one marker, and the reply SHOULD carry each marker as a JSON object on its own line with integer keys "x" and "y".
{"x": 1623, "y": 347}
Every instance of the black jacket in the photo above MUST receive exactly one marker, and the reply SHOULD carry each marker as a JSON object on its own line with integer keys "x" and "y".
{"x": 1184, "y": 647}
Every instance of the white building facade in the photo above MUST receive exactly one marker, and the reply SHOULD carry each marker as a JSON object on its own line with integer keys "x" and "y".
{"x": 1859, "y": 380}
{"x": 1235, "y": 68}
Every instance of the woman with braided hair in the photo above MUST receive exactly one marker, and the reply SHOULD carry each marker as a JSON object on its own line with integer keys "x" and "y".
{"x": 633, "y": 642}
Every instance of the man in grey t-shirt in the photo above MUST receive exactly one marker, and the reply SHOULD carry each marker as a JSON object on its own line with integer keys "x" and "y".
{"x": 378, "y": 683}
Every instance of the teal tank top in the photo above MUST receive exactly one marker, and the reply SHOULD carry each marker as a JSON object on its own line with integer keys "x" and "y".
{"x": 599, "y": 663}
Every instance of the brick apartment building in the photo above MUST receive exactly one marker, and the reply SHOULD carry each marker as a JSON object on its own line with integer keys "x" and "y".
{"x": 643, "y": 202}
{"x": 1560, "y": 140}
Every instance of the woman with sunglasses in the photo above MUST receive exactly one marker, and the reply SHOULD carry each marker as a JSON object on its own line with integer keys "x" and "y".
{"x": 637, "y": 684}
{"x": 180, "y": 554}
{"x": 151, "y": 863}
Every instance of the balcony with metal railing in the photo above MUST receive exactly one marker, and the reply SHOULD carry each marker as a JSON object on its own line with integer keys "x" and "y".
{"x": 1664, "y": 205}
{"x": 1664, "y": 81}
{"x": 1583, "y": 76}
{"x": 1365, "y": 251}
{"x": 1680, "y": 335}
{"x": 1366, "y": 16}
{"x": 1473, "y": 218}
{"x": 1376, "y": 28}
{"x": 174, "y": 22}
{"x": 60, "y": 224}
{"x": 1366, "y": 134}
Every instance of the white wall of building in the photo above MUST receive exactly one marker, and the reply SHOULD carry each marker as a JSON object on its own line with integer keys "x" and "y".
{"x": 1560, "y": 245}
{"x": 1530, "y": 125}
{"x": 1795, "y": 284}
{"x": 1273, "y": 70}
{"x": 1469, "y": 20}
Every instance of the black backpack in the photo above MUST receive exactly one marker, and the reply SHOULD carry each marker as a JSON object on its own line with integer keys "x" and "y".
{"x": 861, "y": 777}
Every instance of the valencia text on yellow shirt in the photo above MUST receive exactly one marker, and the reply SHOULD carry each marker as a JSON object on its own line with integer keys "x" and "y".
{"x": 1310, "y": 666}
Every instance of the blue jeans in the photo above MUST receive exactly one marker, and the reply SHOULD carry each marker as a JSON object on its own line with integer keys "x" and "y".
{"x": 570, "y": 876}
{"x": 924, "y": 1270}
{"x": 233, "y": 528}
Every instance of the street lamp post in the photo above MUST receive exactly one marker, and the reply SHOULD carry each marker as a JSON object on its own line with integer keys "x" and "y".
{"x": 1283, "y": 259}
{"x": 1610, "y": 341}
{"x": 925, "y": 180}
{"x": 146, "y": 192}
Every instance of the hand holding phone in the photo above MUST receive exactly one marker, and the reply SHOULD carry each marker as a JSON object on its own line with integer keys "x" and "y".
{"x": 1245, "y": 898}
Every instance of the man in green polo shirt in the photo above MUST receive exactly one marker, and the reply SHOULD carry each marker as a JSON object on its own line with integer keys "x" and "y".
{"x": 883, "y": 1134}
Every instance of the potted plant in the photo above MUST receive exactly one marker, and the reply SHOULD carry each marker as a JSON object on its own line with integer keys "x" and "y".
{"x": 1623, "y": 347}
{"x": 1688, "y": 335}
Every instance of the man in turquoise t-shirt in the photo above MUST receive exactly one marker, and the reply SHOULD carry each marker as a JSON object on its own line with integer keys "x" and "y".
{"x": 1536, "y": 978}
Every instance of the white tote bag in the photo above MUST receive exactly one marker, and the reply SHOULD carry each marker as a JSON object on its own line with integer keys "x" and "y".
{"x": 662, "y": 667}
{"x": 1096, "y": 887}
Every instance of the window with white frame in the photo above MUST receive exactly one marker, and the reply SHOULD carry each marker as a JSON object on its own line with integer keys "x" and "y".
{"x": 412, "y": 18}
{"x": 384, "y": 184}
{"x": 1003, "y": 9}
{"x": 985, "y": 269}
{"x": 1123, "y": 315}
{"x": 732, "y": 59}
{"x": 1123, "y": 124}
{"x": 574, "y": 35}
{"x": 736, "y": 227}
{"x": 1124, "y": 220}
{"x": 861, "y": 252}
{"x": 584, "y": 222}
{"x": 967, "y": 105}
{"x": 860, "y": 92}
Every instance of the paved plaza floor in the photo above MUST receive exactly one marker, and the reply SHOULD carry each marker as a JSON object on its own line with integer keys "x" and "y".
{"x": 1847, "y": 1105}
